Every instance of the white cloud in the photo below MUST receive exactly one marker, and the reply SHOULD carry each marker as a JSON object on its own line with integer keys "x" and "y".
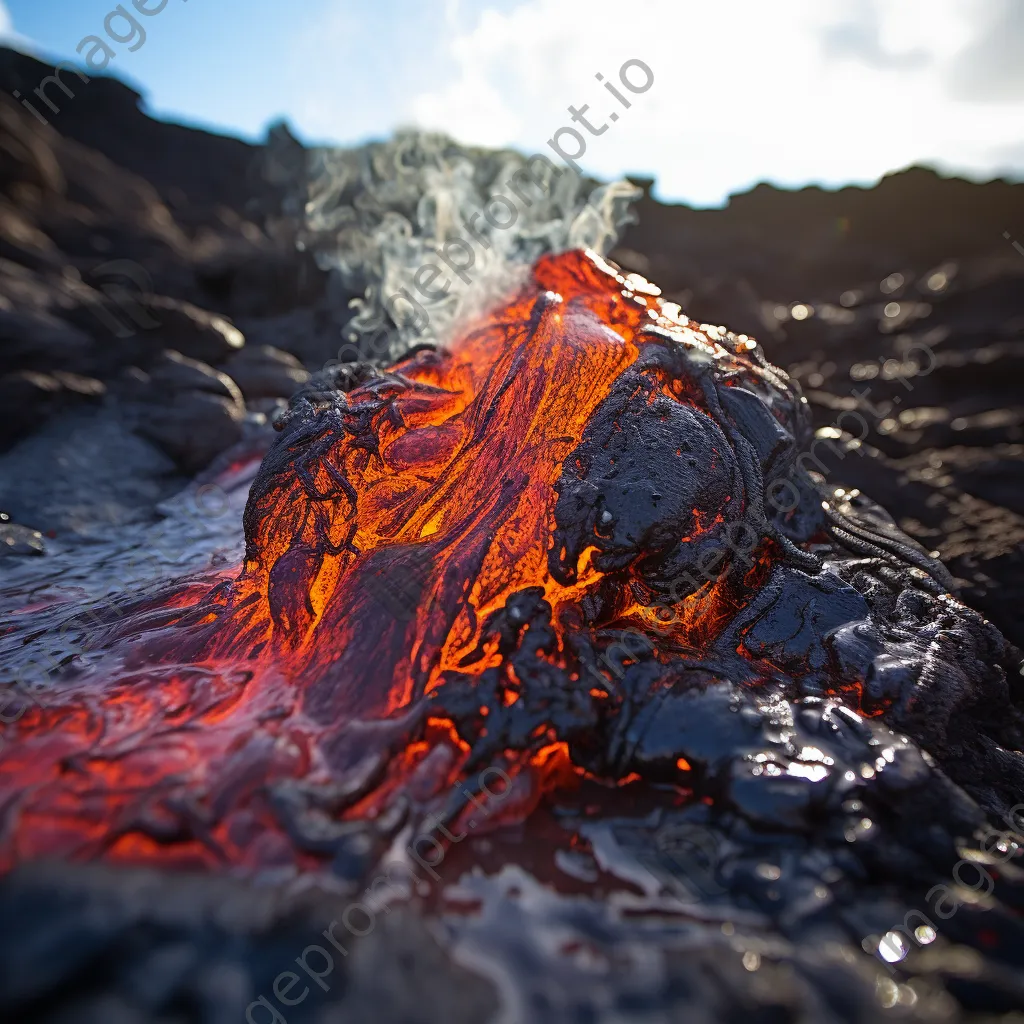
{"x": 992, "y": 67}
{"x": 6, "y": 24}
{"x": 8, "y": 35}
{"x": 790, "y": 91}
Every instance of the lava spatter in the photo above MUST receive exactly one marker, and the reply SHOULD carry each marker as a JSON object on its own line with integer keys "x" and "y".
{"x": 503, "y": 552}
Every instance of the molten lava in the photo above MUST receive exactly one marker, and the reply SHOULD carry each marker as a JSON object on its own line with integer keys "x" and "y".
{"x": 428, "y": 548}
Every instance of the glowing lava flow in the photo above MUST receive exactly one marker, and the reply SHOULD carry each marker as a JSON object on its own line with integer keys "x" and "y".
{"x": 389, "y": 525}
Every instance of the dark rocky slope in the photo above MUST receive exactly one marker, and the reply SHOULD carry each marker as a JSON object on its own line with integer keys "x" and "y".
{"x": 900, "y": 309}
{"x": 122, "y": 237}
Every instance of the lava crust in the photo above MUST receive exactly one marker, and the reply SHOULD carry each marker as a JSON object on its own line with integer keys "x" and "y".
{"x": 578, "y": 544}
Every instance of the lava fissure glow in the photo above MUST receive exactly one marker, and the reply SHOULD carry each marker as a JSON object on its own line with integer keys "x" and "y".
{"x": 439, "y": 559}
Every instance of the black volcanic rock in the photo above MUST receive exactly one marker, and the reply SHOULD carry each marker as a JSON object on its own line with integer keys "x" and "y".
{"x": 202, "y": 194}
{"x": 774, "y": 245}
{"x": 122, "y": 237}
{"x": 190, "y": 410}
{"x": 19, "y": 540}
{"x": 262, "y": 371}
{"x": 900, "y": 309}
{"x": 27, "y": 396}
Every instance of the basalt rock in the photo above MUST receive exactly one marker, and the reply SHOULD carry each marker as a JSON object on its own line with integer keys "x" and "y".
{"x": 760, "y": 752}
{"x": 734, "y": 709}
{"x": 191, "y": 411}
{"x": 564, "y": 551}
{"x": 19, "y": 540}
{"x": 262, "y": 371}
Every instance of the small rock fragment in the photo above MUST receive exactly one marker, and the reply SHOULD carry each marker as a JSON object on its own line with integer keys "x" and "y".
{"x": 19, "y": 540}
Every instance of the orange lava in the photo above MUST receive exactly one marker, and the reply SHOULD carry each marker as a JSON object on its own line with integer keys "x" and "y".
{"x": 351, "y": 605}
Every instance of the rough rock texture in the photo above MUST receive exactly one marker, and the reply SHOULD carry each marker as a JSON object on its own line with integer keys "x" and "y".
{"x": 262, "y": 371}
{"x": 190, "y": 410}
{"x": 625, "y": 925}
{"x": 900, "y": 309}
{"x": 121, "y": 238}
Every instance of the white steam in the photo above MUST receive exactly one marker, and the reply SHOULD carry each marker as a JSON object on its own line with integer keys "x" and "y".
{"x": 380, "y": 214}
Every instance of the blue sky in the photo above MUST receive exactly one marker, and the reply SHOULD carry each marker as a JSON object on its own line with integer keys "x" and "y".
{"x": 793, "y": 91}
{"x": 238, "y": 64}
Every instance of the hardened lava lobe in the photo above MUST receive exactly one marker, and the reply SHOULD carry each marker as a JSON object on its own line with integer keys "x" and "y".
{"x": 577, "y": 543}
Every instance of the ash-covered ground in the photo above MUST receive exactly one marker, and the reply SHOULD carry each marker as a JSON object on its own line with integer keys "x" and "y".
{"x": 157, "y": 313}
